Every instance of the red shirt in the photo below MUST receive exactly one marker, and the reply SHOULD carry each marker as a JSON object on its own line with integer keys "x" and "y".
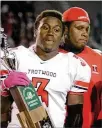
{"x": 92, "y": 106}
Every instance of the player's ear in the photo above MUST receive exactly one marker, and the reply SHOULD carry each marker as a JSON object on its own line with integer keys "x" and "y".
{"x": 35, "y": 33}
{"x": 89, "y": 29}
{"x": 62, "y": 41}
{"x": 65, "y": 32}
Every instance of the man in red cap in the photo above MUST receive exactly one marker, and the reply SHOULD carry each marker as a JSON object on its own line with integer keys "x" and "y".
{"x": 77, "y": 30}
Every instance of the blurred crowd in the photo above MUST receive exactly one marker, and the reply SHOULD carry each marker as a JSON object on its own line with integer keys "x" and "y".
{"x": 18, "y": 24}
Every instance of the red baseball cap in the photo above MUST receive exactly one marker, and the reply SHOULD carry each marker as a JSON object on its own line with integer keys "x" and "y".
{"x": 75, "y": 14}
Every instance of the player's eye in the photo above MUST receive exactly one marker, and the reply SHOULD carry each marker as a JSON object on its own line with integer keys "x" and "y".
{"x": 45, "y": 27}
{"x": 88, "y": 29}
{"x": 57, "y": 29}
{"x": 79, "y": 27}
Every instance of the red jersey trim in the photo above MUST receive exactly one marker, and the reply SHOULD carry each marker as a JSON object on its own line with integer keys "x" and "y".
{"x": 3, "y": 72}
{"x": 82, "y": 84}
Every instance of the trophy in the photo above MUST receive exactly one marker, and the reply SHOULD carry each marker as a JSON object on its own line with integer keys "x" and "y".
{"x": 32, "y": 113}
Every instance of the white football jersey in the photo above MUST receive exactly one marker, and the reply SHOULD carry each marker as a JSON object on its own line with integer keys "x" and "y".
{"x": 53, "y": 79}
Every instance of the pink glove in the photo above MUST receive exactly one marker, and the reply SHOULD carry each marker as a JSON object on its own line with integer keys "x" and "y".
{"x": 14, "y": 79}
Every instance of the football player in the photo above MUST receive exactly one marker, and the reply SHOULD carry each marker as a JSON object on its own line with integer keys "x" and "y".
{"x": 52, "y": 73}
{"x": 76, "y": 36}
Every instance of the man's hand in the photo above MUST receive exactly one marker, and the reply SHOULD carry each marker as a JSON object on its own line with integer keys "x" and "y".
{"x": 14, "y": 79}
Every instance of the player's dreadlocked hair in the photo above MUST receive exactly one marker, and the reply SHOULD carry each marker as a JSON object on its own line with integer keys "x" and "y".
{"x": 53, "y": 13}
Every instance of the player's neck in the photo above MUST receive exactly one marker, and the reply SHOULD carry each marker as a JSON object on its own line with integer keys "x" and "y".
{"x": 45, "y": 55}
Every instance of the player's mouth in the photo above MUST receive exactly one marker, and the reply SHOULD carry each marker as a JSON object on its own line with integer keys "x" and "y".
{"x": 83, "y": 40}
{"x": 50, "y": 41}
